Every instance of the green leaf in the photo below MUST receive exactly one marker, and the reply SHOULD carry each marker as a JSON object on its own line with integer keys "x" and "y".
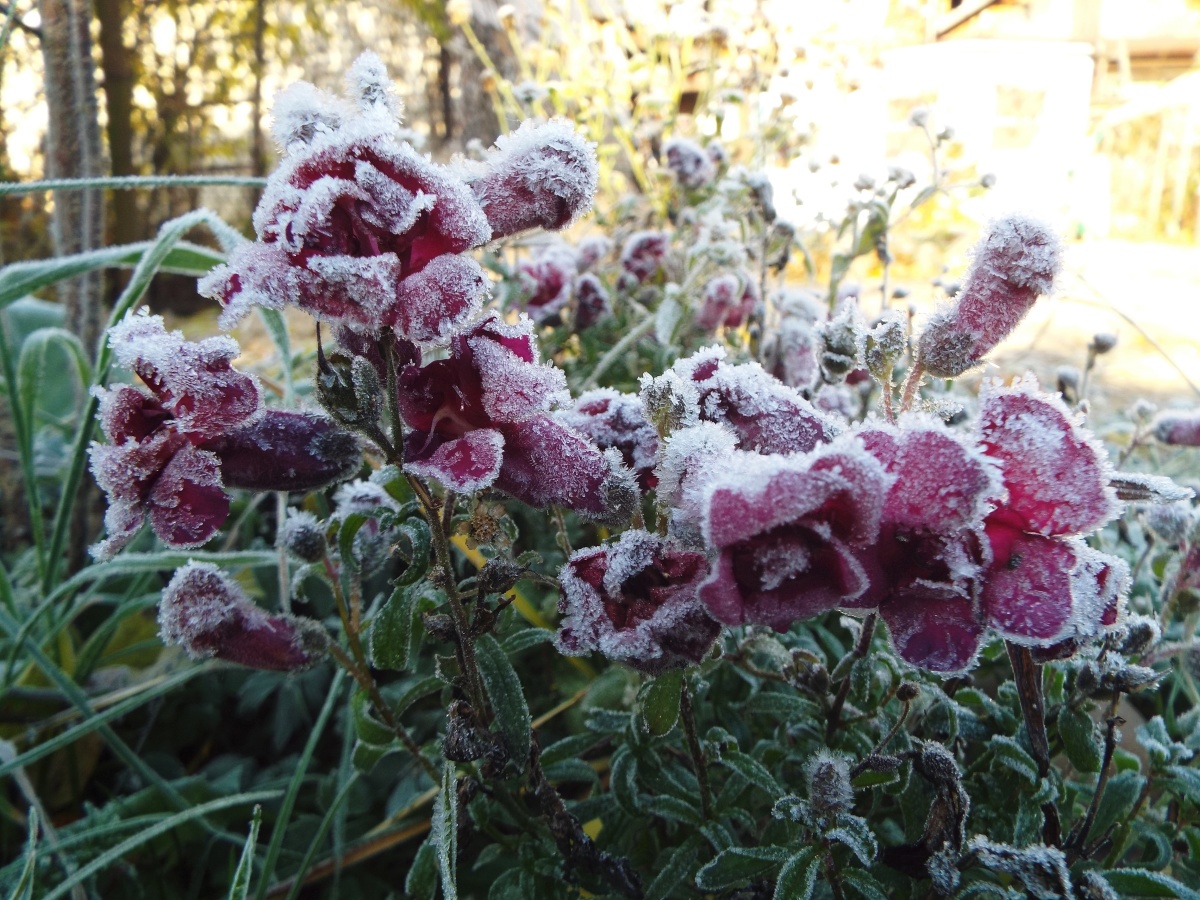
{"x": 444, "y": 832}
{"x": 347, "y": 530}
{"x": 390, "y": 638}
{"x": 875, "y": 779}
{"x": 277, "y": 328}
{"x": 752, "y": 770}
{"x": 26, "y": 883}
{"x": 571, "y": 747}
{"x": 520, "y": 641}
{"x": 776, "y": 705}
{"x": 1184, "y": 782}
{"x": 508, "y": 700}
{"x": 1078, "y": 733}
{"x": 738, "y": 866}
{"x": 240, "y": 888}
{"x": 411, "y": 542}
{"x": 367, "y": 728}
{"x": 1143, "y": 883}
{"x": 623, "y": 780}
{"x": 674, "y": 871}
{"x": 365, "y": 756}
{"x": 863, "y": 883}
{"x": 798, "y": 877}
{"x": 1120, "y": 794}
{"x": 1012, "y": 755}
{"x": 853, "y": 832}
{"x": 674, "y": 809}
{"x": 422, "y": 879}
{"x": 659, "y": 699}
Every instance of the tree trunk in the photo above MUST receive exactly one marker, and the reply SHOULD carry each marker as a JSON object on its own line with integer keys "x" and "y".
{"x": 117, "y": 63}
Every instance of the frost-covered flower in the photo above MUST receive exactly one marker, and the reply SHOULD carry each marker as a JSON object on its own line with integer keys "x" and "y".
{"x": 644, "y": 253}
{"x": 481, "y": 418}
{"x": 688, "y": 162}
{"x": 592, "y": 302}
{"x": 543, "y": 175}
{"x": 765, "y": 414}
{"x": 635, "y": 602}
{"x": 591, "y": 250}
{"x": 794, "y": 347}
{"x": 729, "y": 300}
{"x": 207, "y": 614}
{"x": 546, "y": 280}
{"x": 1017, "y": 260}
{"x": 172, "y": 451}
{"x": 788, "y": 532}
{"x": 609, "y": 418}
{"x": 355, "y": 226}
{"x": 1181, "y": 428}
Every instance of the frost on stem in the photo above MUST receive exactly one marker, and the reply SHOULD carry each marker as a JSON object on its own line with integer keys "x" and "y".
{"x": 635, "y": 602}
{"x": 208, "y": 615}
{"x": 543, "y": 175}
{"x": 1017, "y": 260}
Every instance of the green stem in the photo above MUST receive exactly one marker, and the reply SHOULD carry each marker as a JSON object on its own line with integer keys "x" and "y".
{"x": 699, "y": 761}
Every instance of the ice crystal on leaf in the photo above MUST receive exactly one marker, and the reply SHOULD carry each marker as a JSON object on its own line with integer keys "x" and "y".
{"x": 207, "y": 614}
{"x": 635, "y": 602}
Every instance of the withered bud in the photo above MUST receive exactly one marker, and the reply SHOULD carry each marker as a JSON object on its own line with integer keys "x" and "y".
{"x": 829, "y": 789}
{"x": 439, "y": 626}
{"x": 908, "y": 692}
{"x": 303, "y": 537}
{"x": 1139, "y": 634}
{"x": 498, "y": 575}
{"x": 1068, "y": 379}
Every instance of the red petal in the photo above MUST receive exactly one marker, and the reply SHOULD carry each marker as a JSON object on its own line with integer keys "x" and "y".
{"x": 188, "y": 504}
{"x": 545, "y": 463}
{"x": 937, "y": 631}
{"x": 465, "y": 465}
{"x": 1027, "y": 592}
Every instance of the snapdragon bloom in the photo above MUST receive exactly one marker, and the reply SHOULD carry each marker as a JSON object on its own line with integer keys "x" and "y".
{"x": 172, "y": 451}
{"x": 609, "y": 418}
{"x": 1017, "y": 260}
{"x": 635, "y": 602}
{"x": 359, "y": 229}
{"x": 788, "y": 531}
{"x": 729, "y": 300}
{"x": 481, "y": 418}
{"x": 546, "y": 279}
{"x": 644, "y": 254}
{"x": 207, "y": 614}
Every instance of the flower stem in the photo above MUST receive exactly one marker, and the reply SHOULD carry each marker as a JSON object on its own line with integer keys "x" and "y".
{"x": 859, "y": 652}
{"x": 688, "y": 715}
{"x": 1028, "y": 676}
{"x": 912, "y": 382}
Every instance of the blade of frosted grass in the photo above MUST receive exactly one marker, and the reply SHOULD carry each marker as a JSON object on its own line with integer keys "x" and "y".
{"x": 168, "y": 236}
{"x": 24, "y": 888}
{"x": 23, "y": 429}
{"x": 240, "y": 888}
{"x": 128, "y": 182}
{"x": 172, "y": 822}
{"x": 297, "y": 882}
{"x": 293, "y": 790}
{"x": 277, "y": 328}
{"x": 155, "y": 688}
{"x": 81, "y": 701}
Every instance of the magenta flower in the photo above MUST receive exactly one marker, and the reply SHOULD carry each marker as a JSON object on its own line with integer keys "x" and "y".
{"x": 543, "y": 175}
{"x": 609, "y": 418}
{"x": 729, "y": 300}
{"x": 644, "y": 254}
{"x": 357, "y": 228}
{"x": 209, "y": 616}
{"x": 172, "y": 451}
{"x": 592, "y": 302}
{"x": 766, "y": 415}
{"x": 788, "y": 532}
{"x": 1017, "y": 260}
{"x": 635, "y": 602}
{"x": 546, "y": 280}
{"x": 1044, "y": 583}
{"x": 481, "y": 418}
{"x": 689, "y": 163}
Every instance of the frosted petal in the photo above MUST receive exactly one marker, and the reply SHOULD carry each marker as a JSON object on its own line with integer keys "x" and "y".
{"x": 1027, "y": 592}
{"x": 188, "y": 504}
{"x": 937, "y": 631}
{"x": 465, "y": 465}
{"x": 547, "y": 463}
{"x": 283, "y": 450}
{"x": 437, "y": 300}
{"x": 609, "y": 418}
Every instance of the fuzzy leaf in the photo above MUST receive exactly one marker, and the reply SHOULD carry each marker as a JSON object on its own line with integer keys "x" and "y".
{"x": 660, "y": 702}
{"x": 390, "y": 639}
{"x": 738, "y": 866}
{"x": 623, "y": 781}
{"x": 508, "y": 700}
{"x": 798, "y": 877}
{"x": 1142, "y": 883}
{"x": 753, "y": 771}
{"x": 853, "y": 832}
{"x": 674, "y": 871}
{"x": 864, "y": 883}
{"x": 422, "y": 879}
{"x": 444, "y": 832}
{"x": 1120, "y": 794}
{"x": 1078, "y": 733}
{"x": 1012, "y": 755}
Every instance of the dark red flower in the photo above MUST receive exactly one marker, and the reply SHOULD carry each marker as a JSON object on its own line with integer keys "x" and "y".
{"x": 788, "y": 532}
{"x": 546, "y": 279}
{"x": 592, "y": 302}
{"x": 644, "y": 253}
{"x": 729, "y": 300}
{"x": 1181, "y": 428}
{"x": 481, "y": 418}
{"x": 209, "y": 616}
{"x": 689, "y": 163}
{"x": 609, "y": 418}
{"x": 635, "y": 602}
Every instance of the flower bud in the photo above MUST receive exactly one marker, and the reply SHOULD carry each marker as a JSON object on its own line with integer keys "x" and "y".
{"x": 208, "y": 614}
{"x": 286, "y": 451}
{"x": 1017, "y": 261}
{"x": 1102, "y": 342}
{"x": 1179, "y": 428}
{"x": 541, "y": 176}
{"x": 688, "y": 162}
{"x": 303, "y": 537}
{"x": 829, "y": 789}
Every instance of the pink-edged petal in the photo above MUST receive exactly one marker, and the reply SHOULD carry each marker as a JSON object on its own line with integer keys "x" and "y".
{"x": 188, "y": 503}
{"x": 465, "y": 465}
{"x": 1027, "y": 590}
{"x": 282, "y": 450}
{"x": 514, "y": 389}
{"x": 438, "y": 299}
{"x": 767, "y": 416}
{"x": 937, "y": 631}
{"x": 126, "y": 473}
{"x": 1056, "y": 474}
{"x": 547, "y": 463}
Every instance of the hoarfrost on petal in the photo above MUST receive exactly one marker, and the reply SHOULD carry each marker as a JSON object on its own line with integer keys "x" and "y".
{"x": 1027, "y": 592}
{"x": 937, "y": 631}
{"x": 465, "y": 465}
{"x": 188, "y": 503}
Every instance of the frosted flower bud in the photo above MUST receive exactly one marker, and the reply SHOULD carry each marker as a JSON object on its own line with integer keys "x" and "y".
{"x": 1140, "y": 487}
{"x": 885, "y": 342}
{"x": 303, "y": 536}
{"x": 902, "y": 178}
{"x": 843, "y": 338}
{"x": 729, "y": 300}
{"x": 282, "y": 450}
{"x": 546, "y": 280}
{"x": 1068, "y": 381}
{"x": 1103, "y": 342}
{"x": 1139, "y": 633}
{"x": 717, "y": 153}
{"x": 209, "y": 616}
{"x": 635, "y": 602}
{"x": 1017, "y": 260}
{"x": 1181, "y": 428}
{"x": 543, "y": 175}
{"x": 1040, "y": 869}
{"x": 919, "y": 117}
{"x": 644, "y": 253}
{"x": 611, "y": 419}
{"x": 829, "y": 789}
{"x": 670, "y": 402}
{"x": 302, "y": 113}
{"x": 591, "y": 250}
{"x": 988, "y": 181}
{"x": 368, "y": 83}
{"x": 864, "y": 182}
{"x": 1170, "y": 523}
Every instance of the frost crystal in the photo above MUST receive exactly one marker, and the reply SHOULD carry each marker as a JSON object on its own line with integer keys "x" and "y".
{"x": 1017, "y": 260}
{"x": 208, "y": 614}
{"x": 635, "y": 602}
